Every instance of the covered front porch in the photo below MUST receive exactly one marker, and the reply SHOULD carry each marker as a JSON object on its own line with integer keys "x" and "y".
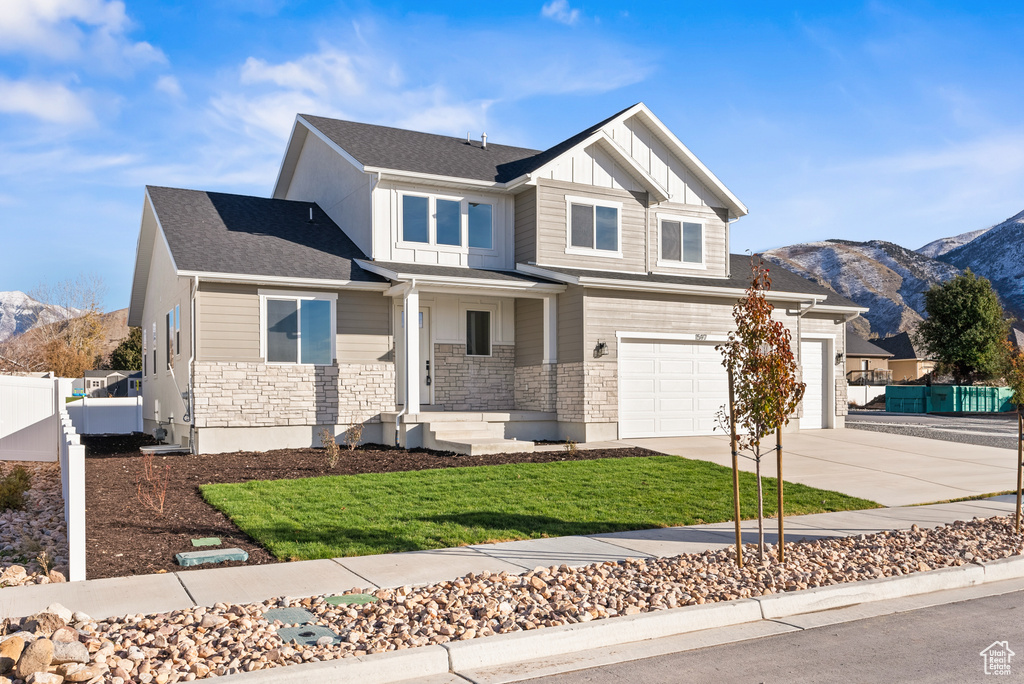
{"x": 475, "y": 371}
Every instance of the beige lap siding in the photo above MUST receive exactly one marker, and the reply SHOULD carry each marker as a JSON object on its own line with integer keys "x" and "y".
{"x": 474, "y": 383}
{"x": 240, "y": 394}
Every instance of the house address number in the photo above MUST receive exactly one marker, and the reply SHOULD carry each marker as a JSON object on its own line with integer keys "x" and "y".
{"x": 700, "y": 337}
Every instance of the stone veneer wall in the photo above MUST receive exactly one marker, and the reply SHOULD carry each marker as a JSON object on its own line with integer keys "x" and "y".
{"x": 245, "y": 394}
{"x": 474, "y": 383}
{"x": 536, "y": 387}
{"x": 842, "y": 398}
{"x": 601, "y": 393}
{"x": 570, "y": 400}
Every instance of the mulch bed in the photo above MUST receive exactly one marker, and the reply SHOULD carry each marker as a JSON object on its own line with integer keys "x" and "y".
{"x": 124, "y": 537}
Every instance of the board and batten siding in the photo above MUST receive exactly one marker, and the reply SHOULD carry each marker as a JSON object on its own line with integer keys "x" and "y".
{"x": 364, "y": 328}
{"x": 526, "y": 226}
{"x": 716, "y": 258}
{"x": 227, "y": 322}
{"x": 529, "y": 332}
{"x": 552, "y": 227}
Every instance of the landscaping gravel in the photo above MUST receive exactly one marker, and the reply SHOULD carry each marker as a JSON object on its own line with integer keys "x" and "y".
{"x": 38, "y": 529}
{"x": 961, "y": 437}
{"x": 192, "y": 644}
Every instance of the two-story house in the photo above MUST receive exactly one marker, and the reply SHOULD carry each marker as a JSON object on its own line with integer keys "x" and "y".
{"x": 459, "y": 294}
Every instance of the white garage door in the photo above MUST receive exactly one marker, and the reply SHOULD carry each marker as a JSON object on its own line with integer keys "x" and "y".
{"x": 668, "y": 389}
{"x": 813, "y": 357}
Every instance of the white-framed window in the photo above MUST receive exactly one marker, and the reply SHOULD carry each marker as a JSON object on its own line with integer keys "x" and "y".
{"x": 298, "y": 327}
{"x": 177, "y": 329}
{"x": 680, "y": 242}
{"x": 593, "y": 227}
{"x": 478, "y": 332}
{"x": 448, "y": 222}
{"x": 154, "y": 348}
{"x": 169, "y": 339}
{"x": 144, "y": 351}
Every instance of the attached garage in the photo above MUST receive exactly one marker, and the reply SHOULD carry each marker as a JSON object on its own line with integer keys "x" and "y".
{"x": 814, "y": 356}
{"x": 669, "y": 388}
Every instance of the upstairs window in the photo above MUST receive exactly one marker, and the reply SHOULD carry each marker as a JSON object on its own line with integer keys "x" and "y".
{"x": 177, "y": 329}
{"x": 594, "y": 227}
{"x": 299, "y": 330}
{"x": 447, "y": 222}
{"x": 682, "y": 243}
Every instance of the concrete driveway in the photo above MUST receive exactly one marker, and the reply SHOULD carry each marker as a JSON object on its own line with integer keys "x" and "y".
{"x": 894, "y": 470}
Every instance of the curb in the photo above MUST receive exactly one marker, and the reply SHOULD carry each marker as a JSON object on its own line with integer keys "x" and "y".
{"x": 505, "y": 649}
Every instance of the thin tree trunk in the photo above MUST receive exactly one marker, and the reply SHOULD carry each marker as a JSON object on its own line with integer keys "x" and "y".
{"x": 778, "y": 455}
{"x": 735, "y": 470}
{"x": 760, "y": 510}
{"x": 1020, "y": 465}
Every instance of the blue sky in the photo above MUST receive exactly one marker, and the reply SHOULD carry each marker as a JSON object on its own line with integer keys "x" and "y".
{"x": 898, "y": 121}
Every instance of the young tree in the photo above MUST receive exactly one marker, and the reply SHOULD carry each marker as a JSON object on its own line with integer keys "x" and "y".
{"x": 1014, "y": 377}
{"x": 965, "y": 328}
{"x": 128, "y": 354}
{"x": 763, "y": 372}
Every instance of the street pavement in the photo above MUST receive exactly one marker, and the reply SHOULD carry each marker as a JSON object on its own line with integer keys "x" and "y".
{"x": 942, "y": 643}
{"x": 994, "y": 430}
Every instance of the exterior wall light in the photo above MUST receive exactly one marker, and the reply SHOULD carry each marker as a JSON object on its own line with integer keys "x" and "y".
{"x": 600, "y": 350}
{"x": 840, "y": 357}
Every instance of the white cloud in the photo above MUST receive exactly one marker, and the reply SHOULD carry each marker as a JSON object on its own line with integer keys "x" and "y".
{"x": 560, "y": 11}
{"x": 169, "y": 85}
{"x": 88, "y": 31}
{"x": 51, "y": 102}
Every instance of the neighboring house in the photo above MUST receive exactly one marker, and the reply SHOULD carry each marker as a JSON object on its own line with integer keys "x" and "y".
{"x": 909, "y": 360}
{"x": 572, "y": 293}
{"x": 112, "y": 383}
{"x": 1017, "y": 338}
{"x": 866, "y": 363}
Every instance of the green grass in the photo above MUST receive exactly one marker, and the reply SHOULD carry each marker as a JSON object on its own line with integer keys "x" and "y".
{"x": 68, "y": 400}
{"x": 354, "y": 515}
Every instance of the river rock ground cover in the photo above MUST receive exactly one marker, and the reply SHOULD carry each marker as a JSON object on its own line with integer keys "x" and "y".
{"x": 123, "y": 537}
{"x": 193, "y": 644}
{"x": 33, "y": 539}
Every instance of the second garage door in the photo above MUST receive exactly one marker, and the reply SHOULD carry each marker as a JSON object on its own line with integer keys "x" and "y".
{"x": 669, "y": 388}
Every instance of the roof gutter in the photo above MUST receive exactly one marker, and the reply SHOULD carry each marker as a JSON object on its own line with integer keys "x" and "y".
{"x": 245, "y": 279}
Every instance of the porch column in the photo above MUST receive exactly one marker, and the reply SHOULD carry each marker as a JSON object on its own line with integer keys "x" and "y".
{"x": 550, "y": 329}
{"x": 411, "y": 308}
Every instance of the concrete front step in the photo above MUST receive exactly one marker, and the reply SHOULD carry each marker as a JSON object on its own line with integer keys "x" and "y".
{"x": 482, "y": 446}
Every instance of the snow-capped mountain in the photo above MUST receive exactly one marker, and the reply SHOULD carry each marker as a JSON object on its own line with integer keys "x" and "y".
{"x": 19, "y": 312}
{"x": 937, "y": 248}
{"x": 889, "y": 279}
{"x": 997, "y": 254}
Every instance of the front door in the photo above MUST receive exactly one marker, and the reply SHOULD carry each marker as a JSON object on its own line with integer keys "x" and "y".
{"x": 426, "y": 359}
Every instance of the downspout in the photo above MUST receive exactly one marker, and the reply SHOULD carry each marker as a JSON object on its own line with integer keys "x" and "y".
{"x": 405, "y": 405}
{"x": 192, "y": 436}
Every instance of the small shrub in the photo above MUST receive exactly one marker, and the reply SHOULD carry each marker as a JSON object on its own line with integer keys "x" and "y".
{"x": 13, "y": 488}
{"x": 45, "y": 562}
{"x": 571, "y": 447}
{"x": 151, "y": 485}
{"x": 353, "y": 436}
{"x": 331, "y": 448}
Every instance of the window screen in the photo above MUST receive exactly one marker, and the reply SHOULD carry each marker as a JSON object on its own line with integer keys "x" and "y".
{"x": 478, "y": 333}
{"x": 671, "y": 241}
{"x": 415, "y": 219}
{"x": 582, "y": 226}
{"x": 282, "y": 330}
{"x": 480, "y": 226}
{"x": 449, "y": 222}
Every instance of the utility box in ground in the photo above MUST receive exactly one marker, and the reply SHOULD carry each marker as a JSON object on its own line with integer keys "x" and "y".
{"x": 947, "y": 399}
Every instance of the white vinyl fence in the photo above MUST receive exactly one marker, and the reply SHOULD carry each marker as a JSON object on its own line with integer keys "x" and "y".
{"x": 106, "y": 416}
{"x": 28, "y": 422}
{"x": 35, "y": 426}
{"x": 862, "y": 394}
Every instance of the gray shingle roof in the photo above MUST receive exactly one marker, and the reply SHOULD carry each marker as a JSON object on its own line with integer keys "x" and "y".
{"x": 399, "y": 149}
{"x": 858, "y": 346}
{"x": 901, "y": 345}
{"x": 215, "y": 232}
{"x": 782, "y": 279}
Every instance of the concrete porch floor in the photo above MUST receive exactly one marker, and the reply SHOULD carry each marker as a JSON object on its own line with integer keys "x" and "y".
{"x": 893, "y": 470}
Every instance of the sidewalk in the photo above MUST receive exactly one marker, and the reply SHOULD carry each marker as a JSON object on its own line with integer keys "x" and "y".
{"x": 173, "y": 591}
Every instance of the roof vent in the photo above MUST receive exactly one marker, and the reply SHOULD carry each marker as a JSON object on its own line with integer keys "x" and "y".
{"x": 311, "y": 214}
{"x": 483, "y": 141}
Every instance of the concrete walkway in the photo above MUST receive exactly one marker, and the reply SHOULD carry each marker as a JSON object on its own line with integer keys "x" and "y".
{"x": 172, "y": 591}
{"x": 893, "y": 470}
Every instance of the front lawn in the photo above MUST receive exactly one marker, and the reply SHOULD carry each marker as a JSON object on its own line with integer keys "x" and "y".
{"x": 355, "y": 515}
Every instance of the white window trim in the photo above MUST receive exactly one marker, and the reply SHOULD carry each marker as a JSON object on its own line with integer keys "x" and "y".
{"x": 177, "y": 329}
{"x": 298, "y": 296}
{"x": 463, "y": 248}
{"x": 592, "y": 251}
{"x": 464, "y": 310}
{"x": 668, "y": 263}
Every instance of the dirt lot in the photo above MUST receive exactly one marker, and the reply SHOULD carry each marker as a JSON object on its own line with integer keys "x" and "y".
{"x": 124, "y": 537}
